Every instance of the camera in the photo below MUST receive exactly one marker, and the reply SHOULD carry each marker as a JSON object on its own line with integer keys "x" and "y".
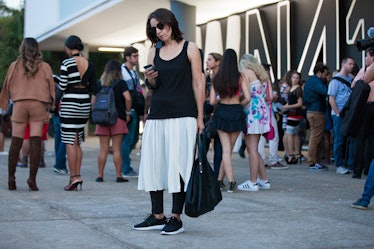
{"x": 364, "y": 44}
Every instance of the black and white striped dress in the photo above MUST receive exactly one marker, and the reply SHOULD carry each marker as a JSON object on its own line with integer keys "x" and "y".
{"x": 75, "y": 103}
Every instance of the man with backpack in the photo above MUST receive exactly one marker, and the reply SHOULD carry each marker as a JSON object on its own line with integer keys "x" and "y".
{"x": 131, "y": 58}
{"x": 339, "y": 91}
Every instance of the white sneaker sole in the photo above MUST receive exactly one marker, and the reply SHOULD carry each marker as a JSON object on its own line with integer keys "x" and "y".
{"x": 180, "y": 230}
{"x": 266, "y": 187}
{"x": 248, "y": 189}
{"x": 157, "y": 227}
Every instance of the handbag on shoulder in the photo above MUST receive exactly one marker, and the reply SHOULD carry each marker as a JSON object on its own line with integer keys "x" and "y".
{"x": 270, "y": 134}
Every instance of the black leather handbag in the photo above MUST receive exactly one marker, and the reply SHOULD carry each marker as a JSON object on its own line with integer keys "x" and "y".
{"x": 203, "y": 191}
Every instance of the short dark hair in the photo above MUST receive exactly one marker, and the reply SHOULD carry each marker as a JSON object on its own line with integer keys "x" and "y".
{"x": 345, "y": 59}
{"x": 74, "y": 42}
{"x": 129, "y": 51}
{"x": 320, "y": 67}
{"x": 165, "y": 17}
{"x": 370, "y": 51}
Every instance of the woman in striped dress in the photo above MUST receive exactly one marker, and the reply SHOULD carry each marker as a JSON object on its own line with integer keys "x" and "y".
{"x": 77, "y": 80}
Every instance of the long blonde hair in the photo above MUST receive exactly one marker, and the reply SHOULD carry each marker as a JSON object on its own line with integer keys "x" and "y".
{"x": 30, "y": 56}
{"x": 248, "y": 61}
{"x": 112, "y": 72}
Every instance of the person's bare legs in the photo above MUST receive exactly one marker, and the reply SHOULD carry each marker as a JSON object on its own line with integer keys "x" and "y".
{"x": 297, "y": 144}
{"x": 256, "y": 164}
{"x": 103, "y": 153}
{"x": 74, "y": 155}
{"x": 2, "y": 140}
{"x": 285, "y": 144}
{"x": 79, "y": 161}
{"x": 25, "y": 151}
{"x": 290, "y": 147}
{"x": 117, "y": 157}
{"x": 227, "y": 141}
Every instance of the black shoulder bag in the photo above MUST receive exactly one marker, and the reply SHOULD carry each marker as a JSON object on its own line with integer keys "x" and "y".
{"x": 138, "y": 101}
{"x": 203, "y": 192}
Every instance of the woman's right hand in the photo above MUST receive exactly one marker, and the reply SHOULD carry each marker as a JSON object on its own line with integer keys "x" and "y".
{"x": 150, "y": 75}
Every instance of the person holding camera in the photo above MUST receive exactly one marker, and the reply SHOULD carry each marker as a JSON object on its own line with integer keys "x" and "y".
{"x": 367, "y": 74}
{"x": 362, "y": 158}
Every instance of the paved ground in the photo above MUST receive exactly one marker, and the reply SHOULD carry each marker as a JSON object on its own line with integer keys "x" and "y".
{"x": 302, "y": 210}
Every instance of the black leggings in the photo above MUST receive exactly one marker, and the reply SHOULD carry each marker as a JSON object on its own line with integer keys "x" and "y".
{"x": 157, "y": 199}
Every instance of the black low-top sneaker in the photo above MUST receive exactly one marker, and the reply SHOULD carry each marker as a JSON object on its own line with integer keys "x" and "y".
{"x": 172, "y": 227}
{"x": 121, "y": 179}
{"x": 151, "y": 223}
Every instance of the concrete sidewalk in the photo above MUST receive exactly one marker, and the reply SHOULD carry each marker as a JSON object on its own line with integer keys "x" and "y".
{"x": 302, "y": 210}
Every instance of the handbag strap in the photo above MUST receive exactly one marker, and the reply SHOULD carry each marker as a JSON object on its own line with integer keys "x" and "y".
{"x": 200, "y": 147}
{"x": 269, "y": 102}
{"x": 132, "y": 78}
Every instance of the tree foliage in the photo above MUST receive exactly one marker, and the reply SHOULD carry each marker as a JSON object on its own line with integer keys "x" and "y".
{"x": 11, "y": 35}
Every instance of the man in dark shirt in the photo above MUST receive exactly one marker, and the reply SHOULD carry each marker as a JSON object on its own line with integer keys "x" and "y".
{"x": 315, "y": 93}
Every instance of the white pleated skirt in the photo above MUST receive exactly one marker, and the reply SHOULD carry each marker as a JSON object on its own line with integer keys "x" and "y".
{"x": 167, "y": 154}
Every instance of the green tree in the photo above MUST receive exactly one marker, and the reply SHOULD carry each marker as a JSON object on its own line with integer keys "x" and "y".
{"x": 11, "y": 35}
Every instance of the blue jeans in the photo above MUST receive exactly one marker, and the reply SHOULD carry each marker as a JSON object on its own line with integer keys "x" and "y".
{"x": 339, "y": 141}
{"x": 60, "y": 148}
{"x": 129, "y": 141}
{"x": 369, "y": 185}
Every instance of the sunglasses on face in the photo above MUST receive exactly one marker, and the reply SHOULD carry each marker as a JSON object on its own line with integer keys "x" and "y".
{"x": 159, "y": 26}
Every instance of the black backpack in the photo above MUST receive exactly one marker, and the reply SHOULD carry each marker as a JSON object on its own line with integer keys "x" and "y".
{"x": 104, "y": 111}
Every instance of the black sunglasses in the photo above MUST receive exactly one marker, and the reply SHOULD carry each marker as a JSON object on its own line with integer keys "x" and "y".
{"x": 159, "y": 25}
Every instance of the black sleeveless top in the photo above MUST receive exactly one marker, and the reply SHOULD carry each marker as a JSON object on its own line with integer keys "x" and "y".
{"x": 174, "y": 98}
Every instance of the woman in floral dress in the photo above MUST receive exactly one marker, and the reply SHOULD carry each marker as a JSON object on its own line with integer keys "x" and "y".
{"x": 258, "y": 121}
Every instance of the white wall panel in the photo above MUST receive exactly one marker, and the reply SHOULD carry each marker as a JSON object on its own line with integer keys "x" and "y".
{"x": 213, "y": 39}
{"x": 233, "y": 34}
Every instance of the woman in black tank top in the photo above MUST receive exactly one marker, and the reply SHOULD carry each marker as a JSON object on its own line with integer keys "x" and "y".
{"x": 174, "y": 118}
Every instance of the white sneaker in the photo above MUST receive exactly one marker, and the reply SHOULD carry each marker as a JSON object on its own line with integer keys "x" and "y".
{"x": 263, "y": 184}
{"x": 248, "y": 186}
{"x": 342, "y": 170}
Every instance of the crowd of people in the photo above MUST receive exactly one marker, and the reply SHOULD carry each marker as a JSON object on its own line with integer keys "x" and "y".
{"x": 235, "y": 95}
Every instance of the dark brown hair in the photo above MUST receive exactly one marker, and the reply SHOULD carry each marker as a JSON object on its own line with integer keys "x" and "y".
{"x": 165, "y": 17}
{"x": 74, "y": 42}
{"x": 129, "y": 51}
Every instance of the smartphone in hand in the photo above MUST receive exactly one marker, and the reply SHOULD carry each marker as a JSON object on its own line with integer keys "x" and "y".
{"x": 149, "y": 67}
